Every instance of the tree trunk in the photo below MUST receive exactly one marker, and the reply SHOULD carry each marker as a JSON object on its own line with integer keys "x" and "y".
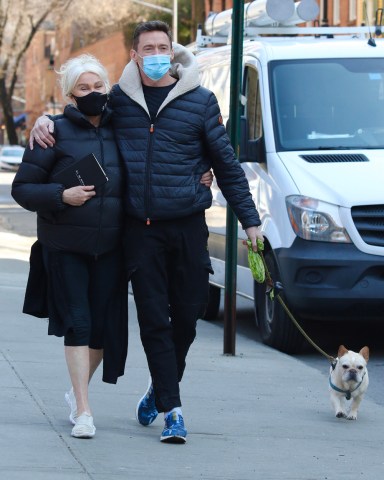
{"x": 6, "y": 102}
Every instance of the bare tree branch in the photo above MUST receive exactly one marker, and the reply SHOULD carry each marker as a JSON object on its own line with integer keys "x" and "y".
{"x": 19, "y": 22}
{"x": 21, "y": 19}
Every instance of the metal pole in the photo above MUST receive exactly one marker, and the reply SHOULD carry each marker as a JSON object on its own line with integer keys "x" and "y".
{"x": 234, "y": 134}
{"x": 175, "y": 19}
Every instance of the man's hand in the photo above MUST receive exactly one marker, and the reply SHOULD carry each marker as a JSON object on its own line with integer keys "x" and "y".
{"x": 207, "y": 178}
{"x": 253, "y": 233}
{"x": 77, "y": 196}
{"x": 41, "y": 132}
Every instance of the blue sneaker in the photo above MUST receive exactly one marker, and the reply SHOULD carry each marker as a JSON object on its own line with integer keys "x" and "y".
{"x": 174, "y": 430}
{"x": 146, "y": 411}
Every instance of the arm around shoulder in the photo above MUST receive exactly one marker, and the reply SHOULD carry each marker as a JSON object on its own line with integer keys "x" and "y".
{"x": 41, "y": 132}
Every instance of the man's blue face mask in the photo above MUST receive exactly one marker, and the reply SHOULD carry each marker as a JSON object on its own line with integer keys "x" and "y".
{"x": 156, "y": 66}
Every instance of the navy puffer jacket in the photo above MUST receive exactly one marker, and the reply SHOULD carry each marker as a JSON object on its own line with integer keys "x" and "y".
{"x": 94, "y": 227}
{"x": 164, "y": 162}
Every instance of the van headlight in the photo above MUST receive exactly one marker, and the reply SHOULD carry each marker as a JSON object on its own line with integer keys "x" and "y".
{"x": 312, "y": 219}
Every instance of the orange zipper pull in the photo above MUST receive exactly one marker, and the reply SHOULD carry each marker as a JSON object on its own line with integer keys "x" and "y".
{"x": 148, "y": 221}
{"x": 151, "y": 128}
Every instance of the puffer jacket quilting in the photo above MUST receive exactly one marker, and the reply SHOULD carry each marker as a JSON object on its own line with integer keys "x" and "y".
{"x": 164, "y": 162}
{"x": 96, "y": 226}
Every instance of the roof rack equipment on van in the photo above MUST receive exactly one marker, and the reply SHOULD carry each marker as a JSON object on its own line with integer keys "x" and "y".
{"x": 271, "y": 17}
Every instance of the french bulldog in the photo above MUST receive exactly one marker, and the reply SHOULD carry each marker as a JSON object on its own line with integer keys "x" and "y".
{"x": 348, "y": 380}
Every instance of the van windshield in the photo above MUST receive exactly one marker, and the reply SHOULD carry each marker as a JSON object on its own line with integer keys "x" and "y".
{"x": 328, "y": 104}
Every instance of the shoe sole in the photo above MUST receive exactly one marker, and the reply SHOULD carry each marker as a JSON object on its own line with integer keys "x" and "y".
{"x": 175, "y": 439}
{"x": 138, "y": 405}
{"x": 83, "y": 431}
{"x": 83, "y": 434}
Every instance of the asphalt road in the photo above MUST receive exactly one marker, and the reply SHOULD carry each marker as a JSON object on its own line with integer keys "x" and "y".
{"x": 328, "y": 336}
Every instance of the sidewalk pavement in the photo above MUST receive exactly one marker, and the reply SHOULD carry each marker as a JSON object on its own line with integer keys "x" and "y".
{"x": 258, "y": 415}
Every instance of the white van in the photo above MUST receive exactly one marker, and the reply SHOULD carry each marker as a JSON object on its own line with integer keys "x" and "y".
{"x": 312, "y": 148}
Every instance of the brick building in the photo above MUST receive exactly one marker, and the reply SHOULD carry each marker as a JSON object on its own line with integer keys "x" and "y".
{"x": 49, "y": 50}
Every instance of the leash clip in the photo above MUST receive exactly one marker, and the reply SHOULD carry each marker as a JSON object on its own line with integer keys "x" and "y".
{"x": 273, "y": 289}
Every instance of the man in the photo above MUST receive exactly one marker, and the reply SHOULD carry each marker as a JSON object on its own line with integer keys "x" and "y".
{"x": 169, "y": 131}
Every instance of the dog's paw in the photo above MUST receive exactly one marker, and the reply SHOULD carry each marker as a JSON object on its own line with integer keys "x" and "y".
{"x": 352, "y": 416}
{"x": 341, "y": 415}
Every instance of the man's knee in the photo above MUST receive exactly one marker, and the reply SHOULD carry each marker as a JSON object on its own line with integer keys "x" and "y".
{"x": 187, "y": 313}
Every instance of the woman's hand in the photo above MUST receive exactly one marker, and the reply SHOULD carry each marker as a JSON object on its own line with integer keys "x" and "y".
{"x": 41, "y": 133}
{"x": 207, "y": 178}
{"x": 77, "y": 196}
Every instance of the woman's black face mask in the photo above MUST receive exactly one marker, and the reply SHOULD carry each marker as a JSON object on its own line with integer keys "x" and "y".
{"x": 92, "y": 104}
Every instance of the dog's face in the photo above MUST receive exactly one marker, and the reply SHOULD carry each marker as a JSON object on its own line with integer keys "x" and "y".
{"x": 351, "y": 366}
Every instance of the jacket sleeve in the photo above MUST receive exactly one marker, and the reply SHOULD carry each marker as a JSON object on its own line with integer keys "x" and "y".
{"x": 229, "y": 174}
{"x": 31, "y": 188}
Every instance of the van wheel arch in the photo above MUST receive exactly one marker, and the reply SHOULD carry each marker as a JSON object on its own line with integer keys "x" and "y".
{"x": 276, "y": 328}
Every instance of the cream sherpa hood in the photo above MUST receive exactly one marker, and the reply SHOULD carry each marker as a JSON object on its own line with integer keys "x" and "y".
{"x": 183, "y": 67}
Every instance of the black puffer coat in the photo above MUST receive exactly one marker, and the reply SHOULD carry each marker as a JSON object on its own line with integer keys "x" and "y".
{"x": 96, "y": 226}
{"x": 164, "y": 161}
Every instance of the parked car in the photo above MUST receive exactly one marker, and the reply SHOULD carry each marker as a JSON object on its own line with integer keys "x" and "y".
{"x": 11, "y": 157}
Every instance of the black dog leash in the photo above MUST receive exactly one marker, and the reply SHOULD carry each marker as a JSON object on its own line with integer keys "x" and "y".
{"x": 273, "y": 290}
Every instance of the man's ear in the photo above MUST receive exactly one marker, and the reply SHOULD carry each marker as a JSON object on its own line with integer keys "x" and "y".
{"x": 133, "y": 55}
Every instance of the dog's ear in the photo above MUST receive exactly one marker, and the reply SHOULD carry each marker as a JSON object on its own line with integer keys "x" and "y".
{"x": 364, "y": 352}
{"x": 342, "y": 351}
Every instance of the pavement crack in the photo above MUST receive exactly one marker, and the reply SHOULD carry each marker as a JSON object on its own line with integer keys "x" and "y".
{"x": 40, "y": 405}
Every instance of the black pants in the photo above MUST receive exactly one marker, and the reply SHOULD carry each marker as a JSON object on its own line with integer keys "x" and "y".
{"x": 168, "y": 263}
{"x": 82, "y": 289}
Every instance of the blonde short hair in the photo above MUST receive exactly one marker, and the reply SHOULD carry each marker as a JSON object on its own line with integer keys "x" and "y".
{"x": 71, "y": 70}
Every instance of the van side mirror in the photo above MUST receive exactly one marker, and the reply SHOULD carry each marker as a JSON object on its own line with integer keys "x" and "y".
{"x": 250, "y": 150}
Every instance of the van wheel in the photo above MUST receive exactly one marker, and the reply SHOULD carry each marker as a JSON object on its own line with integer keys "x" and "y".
{"x": 276, "y": 328}
{"x": 212, "y": 311}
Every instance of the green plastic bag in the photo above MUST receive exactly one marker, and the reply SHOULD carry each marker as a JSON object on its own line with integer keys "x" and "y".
{"x": 256, "y": 262}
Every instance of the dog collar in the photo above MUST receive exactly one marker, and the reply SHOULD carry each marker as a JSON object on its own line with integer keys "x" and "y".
{"x": 348, "y": 393}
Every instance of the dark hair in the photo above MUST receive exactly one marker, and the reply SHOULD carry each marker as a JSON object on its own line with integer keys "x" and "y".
{"x": 151, "y": 26}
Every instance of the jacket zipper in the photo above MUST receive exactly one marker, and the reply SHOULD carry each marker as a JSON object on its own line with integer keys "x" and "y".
{"x": 148, "y": 173}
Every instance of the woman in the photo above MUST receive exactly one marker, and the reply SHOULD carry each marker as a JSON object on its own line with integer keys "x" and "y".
{"x": 79, "y": 229}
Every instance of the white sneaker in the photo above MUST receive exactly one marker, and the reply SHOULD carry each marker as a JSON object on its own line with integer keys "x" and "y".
{"x": 71, "y": 400}
{"x": 84, "y": 427}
